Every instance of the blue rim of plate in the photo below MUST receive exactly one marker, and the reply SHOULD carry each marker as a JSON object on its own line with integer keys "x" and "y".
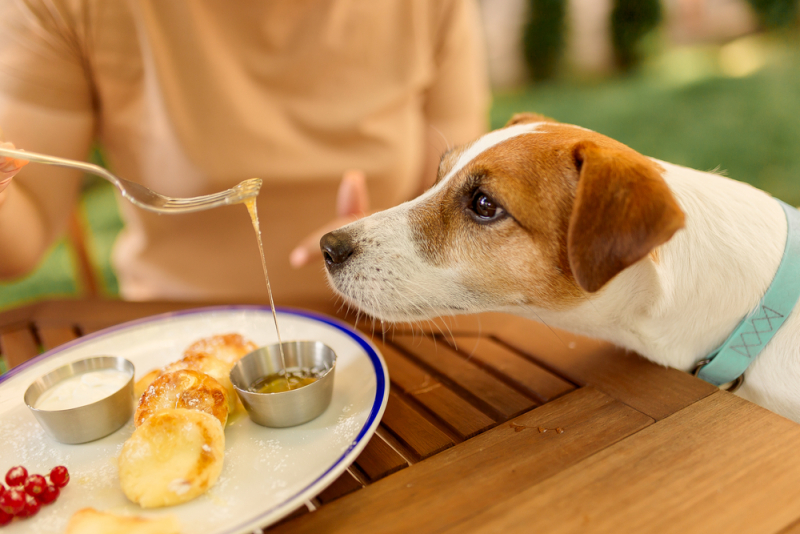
{"x": 381, "y": 391}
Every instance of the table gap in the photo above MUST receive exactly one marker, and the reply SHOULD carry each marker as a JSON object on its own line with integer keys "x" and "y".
{"x": 483, "y": 404}
{"x": 477, "y": 403}
{"x": 533, "y": 359}
{"x": 405, "y": 453}
{"x": 358, "y": 474}
{"x": 412, "y": 401}
{"x": 413, "y": 430}
{"x": 501, "y": 376}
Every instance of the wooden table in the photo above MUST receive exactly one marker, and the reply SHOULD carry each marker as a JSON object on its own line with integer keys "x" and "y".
{"x": 503, "y": 425}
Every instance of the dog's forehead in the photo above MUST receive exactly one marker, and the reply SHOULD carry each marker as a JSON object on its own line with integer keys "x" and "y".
{"x": 469, "y": 152}
{"x": 463, "y": 157}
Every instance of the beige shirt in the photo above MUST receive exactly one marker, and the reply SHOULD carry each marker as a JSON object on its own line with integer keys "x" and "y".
{"x": 192, "y": 96}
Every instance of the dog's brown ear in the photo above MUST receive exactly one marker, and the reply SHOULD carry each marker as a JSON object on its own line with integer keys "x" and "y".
{"x": 623, "y": 209}
{"x": 522, "y": 118}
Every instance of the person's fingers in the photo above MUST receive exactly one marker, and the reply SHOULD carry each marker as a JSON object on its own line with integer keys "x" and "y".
{"x": 9, "y": 166}
{"x": 5, "y": 180}
{"x": 352, "y": 197}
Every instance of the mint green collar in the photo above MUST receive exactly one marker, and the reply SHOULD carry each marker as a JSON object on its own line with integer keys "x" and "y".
{"x": 729, "y": 362}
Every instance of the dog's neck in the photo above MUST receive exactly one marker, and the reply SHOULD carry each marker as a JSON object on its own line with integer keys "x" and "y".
{"x": 679, "y": 304}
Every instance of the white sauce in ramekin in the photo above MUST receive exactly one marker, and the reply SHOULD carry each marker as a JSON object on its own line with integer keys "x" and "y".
{"x": 82, "y": 389}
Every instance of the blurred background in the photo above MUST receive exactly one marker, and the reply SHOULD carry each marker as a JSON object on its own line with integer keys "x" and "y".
{"x": 710, "y": 84}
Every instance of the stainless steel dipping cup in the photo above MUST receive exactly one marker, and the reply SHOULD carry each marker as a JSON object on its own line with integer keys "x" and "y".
{"x": 287, "y": 408}
{"x": 91, "y": 421}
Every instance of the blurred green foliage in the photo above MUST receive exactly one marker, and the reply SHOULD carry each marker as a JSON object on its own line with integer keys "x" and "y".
{"x": 631, "y": 21}
{"x": 544, "y": 34}
{"x": 543, "y": 37}
{"x": 57, "y": 275}
{"x": 776, "y": 13}
{"x": 55, "y": 278}
{"x": 746, "y": 127}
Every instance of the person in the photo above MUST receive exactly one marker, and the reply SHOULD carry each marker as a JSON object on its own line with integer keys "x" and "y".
{"x": 340, "y": 106}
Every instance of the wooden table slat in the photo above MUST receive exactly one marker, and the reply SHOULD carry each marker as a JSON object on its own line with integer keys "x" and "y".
{"x": 53, "y": 336}
{"x": 379, "y": 459}
{"x": 494, "y": 396}
{"x": 652, "y": 389}
{"x": 346, "y": 483}
{"x": 297, "y": 512}
{"x": 18, "y": 346}
{"x": 680, "y": 475}
{"x": 87, "y": 328}
{"x": 710, "y": 463}
{"x": 412, "y": 429}
{"x": 461, "y": 417}
{"x": 534, "y": 380}
{"x": 458, "y": 483}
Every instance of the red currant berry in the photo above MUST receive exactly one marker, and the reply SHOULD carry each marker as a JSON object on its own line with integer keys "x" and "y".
{"x": 31, "y": 507}
{"x": 16, "y": 476}
{"x": 12, "y": 502}
{"x": 49, "y": 494}
{"x": 59, "y": 476}
{"x": 5, "y": 518}
{"x": 2, "y": 489}
{"x": 35, "y": 485}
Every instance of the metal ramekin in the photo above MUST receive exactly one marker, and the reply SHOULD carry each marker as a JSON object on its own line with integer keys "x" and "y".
{"x": 287, "y": 408}
{"x": 91, "y": 421}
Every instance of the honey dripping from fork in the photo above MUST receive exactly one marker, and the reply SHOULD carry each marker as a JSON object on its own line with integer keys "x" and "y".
{"x": 250, "y": 203}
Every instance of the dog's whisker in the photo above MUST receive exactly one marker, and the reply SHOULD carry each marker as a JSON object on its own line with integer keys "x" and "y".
{"x": 477, "y": 339}
{"x": 584, "y": 296}
{"x": 489, "y": 236}
{"x": 444, "y": 138}
{"x": 452, "y": 337}
{"x": 539, "y": 317}
{"x": 418, "y": 308}
{"x": 449, "y": 331}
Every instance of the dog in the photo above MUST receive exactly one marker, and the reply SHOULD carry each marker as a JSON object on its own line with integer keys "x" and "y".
{"x": 563, "y": 225}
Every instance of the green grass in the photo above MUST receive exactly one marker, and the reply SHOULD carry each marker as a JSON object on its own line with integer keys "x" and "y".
{"x": 681, "y": 108}
{"x": 57, "y": 276}
{"x": 747, "y": 127}
{"x": 99, "y": 213}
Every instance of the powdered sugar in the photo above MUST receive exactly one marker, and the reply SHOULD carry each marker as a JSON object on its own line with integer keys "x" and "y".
{"x": 179, "y": 486}
{"x": 266, "y": 472}
{"x": 347, "y": 428}
{"x": 23, "y": 442}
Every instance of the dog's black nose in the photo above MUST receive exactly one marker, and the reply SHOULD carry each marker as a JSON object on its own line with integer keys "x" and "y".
{"x": 336, "y": 247}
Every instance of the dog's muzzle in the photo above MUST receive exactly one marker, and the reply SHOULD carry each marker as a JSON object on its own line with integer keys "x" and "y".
{"x": 337, "y": 247}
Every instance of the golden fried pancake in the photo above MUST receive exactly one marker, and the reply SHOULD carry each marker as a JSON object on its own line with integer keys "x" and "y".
{"x": 213, "y": 367}
{"x": 172, "y": 457}
{"x": 183, "y": 388}
{"x": 229, "y": 348}
{"x": 141, "y": 385}
{"x": 90, "y": 521}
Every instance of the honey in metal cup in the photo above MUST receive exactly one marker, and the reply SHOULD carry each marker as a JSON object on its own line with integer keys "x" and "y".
{"x": 295, "y": 406}
{"x": 90, "y": 421}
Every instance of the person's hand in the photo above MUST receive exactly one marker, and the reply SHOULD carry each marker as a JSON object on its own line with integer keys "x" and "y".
{"x": 352, "y": 202}
{"x": 9, "y": 167}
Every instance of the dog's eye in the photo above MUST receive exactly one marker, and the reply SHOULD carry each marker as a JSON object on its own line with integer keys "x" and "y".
{"x": 485, "y": 207}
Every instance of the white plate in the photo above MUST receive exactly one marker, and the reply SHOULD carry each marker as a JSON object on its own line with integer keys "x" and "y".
{"x": 268, "y": 472}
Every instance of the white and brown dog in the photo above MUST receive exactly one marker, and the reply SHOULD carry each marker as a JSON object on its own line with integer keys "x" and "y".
{"x": 563, "y": 225}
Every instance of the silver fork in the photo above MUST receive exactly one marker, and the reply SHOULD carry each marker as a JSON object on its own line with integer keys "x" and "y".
{"x": 143, "y": 197}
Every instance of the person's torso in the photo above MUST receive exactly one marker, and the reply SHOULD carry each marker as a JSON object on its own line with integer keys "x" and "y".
{"x": 197, "y": 95}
